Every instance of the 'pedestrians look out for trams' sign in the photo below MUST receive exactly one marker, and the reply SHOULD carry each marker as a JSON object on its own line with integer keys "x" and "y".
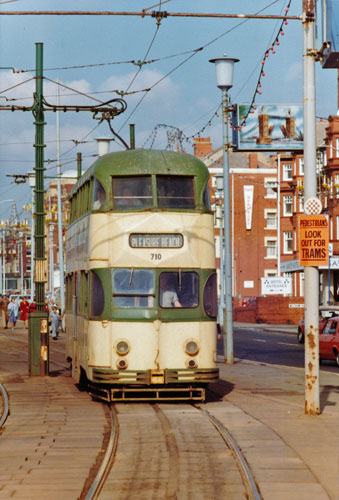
{"x": 313, "y": 240}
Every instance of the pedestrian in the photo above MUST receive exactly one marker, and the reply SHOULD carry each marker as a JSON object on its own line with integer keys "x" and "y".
{"x": 4, "y": 310}
{"x": 55, "y": 318}
{"x": 24, "y": 309}
{"x": 13, "y": 310}
{"x": 32, "y": 306}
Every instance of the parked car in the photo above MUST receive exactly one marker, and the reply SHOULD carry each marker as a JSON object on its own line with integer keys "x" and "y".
{"x": 329, "y": 341}
{"x": 249, "y": 301}
{"x": 325, "y": 312}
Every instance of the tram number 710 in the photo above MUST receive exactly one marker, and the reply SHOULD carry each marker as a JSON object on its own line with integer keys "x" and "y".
{"x": 156, "y": 256}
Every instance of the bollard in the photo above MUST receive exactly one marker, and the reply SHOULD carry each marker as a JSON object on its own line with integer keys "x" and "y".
{"x": 38, "y": 354}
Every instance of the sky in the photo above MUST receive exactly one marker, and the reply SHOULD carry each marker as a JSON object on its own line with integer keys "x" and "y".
{"x": 91, "y": 58}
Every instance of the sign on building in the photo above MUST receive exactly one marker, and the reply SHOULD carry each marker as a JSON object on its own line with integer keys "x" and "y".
{"x": 269, "y": 127}
{"x": 313, "y": 240}
{"x": 276, "y": 285}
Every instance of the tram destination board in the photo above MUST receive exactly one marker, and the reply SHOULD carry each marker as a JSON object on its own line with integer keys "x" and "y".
{"x": 313, "y": 240}
{"x": 143, "y": 240}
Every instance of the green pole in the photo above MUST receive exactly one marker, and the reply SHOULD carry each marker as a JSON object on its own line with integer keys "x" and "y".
{"x": 79, "y": 165}
{"x": 38, "y": 325}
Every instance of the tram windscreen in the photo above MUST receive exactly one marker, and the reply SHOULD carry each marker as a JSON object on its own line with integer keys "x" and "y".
{"x": 175, "y": 191}
{"x": 132, "y": 192}
{"x": 133, "y": 288}
{"x": 179, "y": 289}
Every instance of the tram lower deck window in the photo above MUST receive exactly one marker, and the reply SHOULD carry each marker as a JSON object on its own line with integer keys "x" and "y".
{"x": 133, "y": 288}
{"x": 178, "y": 289}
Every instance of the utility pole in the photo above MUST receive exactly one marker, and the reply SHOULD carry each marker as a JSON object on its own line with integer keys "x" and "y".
{"x": 38, "y": 324}
{"x": 312, "y": 400}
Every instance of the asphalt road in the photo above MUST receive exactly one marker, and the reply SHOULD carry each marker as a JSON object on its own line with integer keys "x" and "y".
{"x": 258, "y": 344}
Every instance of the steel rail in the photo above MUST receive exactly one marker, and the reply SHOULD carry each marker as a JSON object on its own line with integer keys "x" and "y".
{"x": 108, "y": 460}
{"x": 252, "y": 490}
{"x": 160, "y": 14}
{"x": 5, "y": 413}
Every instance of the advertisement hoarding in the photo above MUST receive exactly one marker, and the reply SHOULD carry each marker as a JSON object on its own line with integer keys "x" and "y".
{"x": 269, "y": 127}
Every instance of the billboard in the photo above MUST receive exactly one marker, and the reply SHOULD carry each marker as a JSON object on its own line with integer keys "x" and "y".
{"x": 269, "y": 127}
{"x": 330, "y": 34}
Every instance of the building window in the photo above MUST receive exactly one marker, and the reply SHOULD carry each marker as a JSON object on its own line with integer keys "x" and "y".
{"x": 301, "y": 166}
{"x": 287, "y": 171}
{"x": 287, "y": 201}
{"x": 337, "y": 147}
{"x": 301, "y": 203}
{"x": 271, "y": 220}
{"x": 288, "y": 242}
{"x": 271, "y": 185}
{"x": 270, "y": 273}
{"x": 271, "y": 249}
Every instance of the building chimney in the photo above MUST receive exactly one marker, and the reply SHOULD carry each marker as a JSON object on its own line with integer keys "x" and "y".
{"x": 202, "y": 146}
{"x": 253, "y": 160}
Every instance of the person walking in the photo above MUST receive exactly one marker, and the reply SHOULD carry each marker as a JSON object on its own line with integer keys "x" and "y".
{"x": 55, "y": 319}
{"x": 24, "y": 310}
{"x": 4, "y": 310}
{"x": 13, "y": 310}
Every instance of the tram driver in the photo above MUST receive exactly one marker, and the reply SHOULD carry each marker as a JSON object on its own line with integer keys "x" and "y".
{"x": 168, "y": 295}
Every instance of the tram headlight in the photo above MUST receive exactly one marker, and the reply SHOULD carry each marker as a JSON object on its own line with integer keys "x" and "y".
{"x": 122, "y": 347}
{"x": 191, "y": 348}
{"x": 191, "y": 363}
{"x": 122, "y": 364}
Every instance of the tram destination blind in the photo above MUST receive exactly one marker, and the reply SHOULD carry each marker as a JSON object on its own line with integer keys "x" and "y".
{"x": 156, "y": 240}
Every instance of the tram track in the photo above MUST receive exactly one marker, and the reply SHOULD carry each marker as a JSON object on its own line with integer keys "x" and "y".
{"x": 4, "y": 406}
{"x": 170, "y": 424}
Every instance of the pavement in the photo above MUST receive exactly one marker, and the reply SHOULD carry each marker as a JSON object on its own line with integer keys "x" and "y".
{"x": 293, "y": 456}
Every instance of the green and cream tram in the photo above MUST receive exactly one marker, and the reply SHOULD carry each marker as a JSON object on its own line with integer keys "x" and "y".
{"x": 141, "y": 298}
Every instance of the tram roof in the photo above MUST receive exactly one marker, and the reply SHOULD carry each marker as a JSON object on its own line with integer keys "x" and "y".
{"x": 145, "y": 161}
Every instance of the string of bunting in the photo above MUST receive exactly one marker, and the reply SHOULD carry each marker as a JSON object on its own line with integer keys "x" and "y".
{"x": 262, "y": 73}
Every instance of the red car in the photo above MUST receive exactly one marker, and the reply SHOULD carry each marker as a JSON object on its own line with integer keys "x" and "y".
{"x": 329, "y": 341}
{"x": 325, "y": 312}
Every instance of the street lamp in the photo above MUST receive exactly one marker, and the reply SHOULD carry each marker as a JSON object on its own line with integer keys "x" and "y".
{"x": 224, "y": 72}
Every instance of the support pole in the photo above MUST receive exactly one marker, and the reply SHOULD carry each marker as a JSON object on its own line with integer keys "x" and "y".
{"x": 228, "y": 312}
{"x": 312, "y": 399}
{"x": 60, "y": 217}
{"x": 38, "y": 324}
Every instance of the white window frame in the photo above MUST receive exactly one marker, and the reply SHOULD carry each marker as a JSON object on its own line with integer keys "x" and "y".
{"x": 269, "y": 216}
{"x": 269, "y": 240}
{"x": 287, "y": 237}
{"x": 287, "y": 171}
{"x": 285, "y": 212}
{"x": 270, "y": 273}
{"x": 337, "y": 147}
{"x": 271, "y": 181}
{"x": 301, "y": 166}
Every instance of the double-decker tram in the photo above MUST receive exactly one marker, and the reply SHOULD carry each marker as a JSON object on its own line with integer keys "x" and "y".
{"x": 141, "y": 297}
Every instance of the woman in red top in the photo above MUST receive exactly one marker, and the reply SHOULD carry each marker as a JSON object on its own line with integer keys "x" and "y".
{"x": 24, "y": 309}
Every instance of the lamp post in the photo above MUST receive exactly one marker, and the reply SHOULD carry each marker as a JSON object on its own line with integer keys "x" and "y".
{"x": 31, "y": 181}
{"x": 224, "y": 72}
{"x": 219, "y": 186}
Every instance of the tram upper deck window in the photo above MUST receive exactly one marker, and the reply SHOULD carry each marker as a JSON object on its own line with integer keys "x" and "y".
{"x": 131, "y": 193}
{"x": 179, "y": 289}
{"x": 175, "y": 191}
{"x": 133, "y": 288}
{"x": 99, "y": 195}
